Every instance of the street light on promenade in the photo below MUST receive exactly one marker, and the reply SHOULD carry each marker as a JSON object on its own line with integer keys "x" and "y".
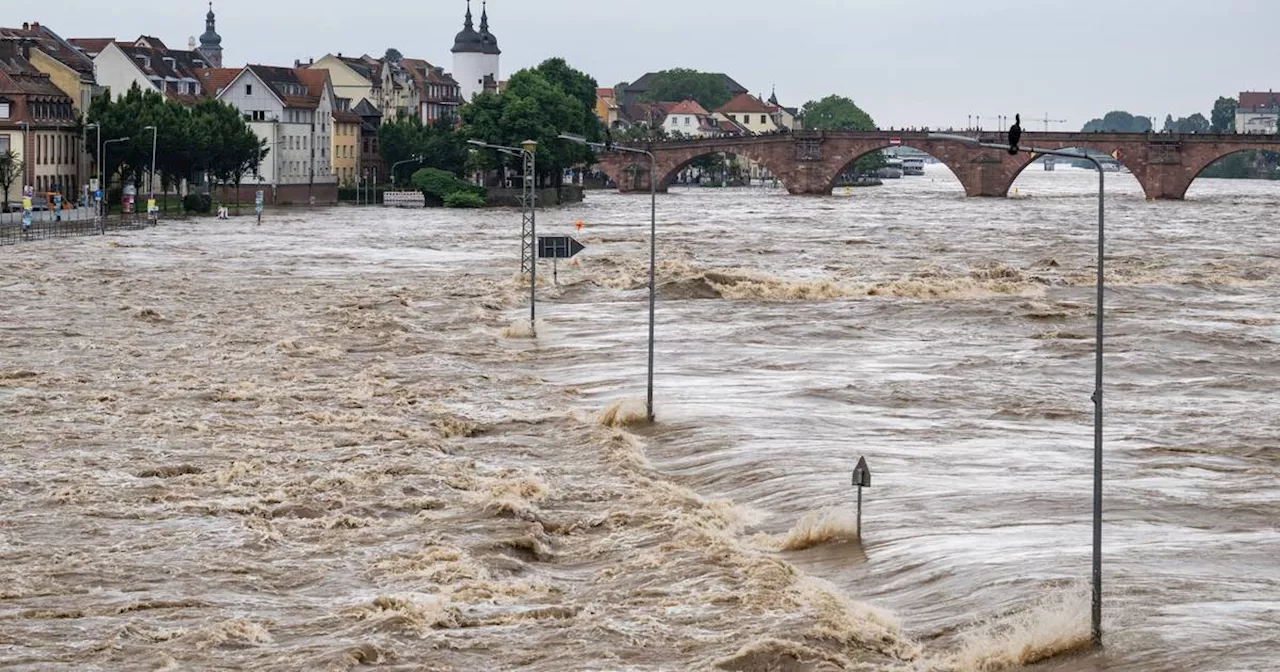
{"x": 397, "y": 164}
{"x": 1096, "y": 620}
{"x": 527, "y": 152}
{"x": 653, "y": 239}
{"x": 151, "y": 183}
{"x": 106, "y": 193}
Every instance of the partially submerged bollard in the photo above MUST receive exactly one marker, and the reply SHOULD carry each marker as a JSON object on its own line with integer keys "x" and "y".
{"x": 861, "y": 479}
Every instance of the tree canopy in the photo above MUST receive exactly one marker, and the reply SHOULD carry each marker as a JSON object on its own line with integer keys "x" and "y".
{"x": 536, "y": 105}
{"x": 836, "y": 113}
{"x": 208, "y": 137}
{"x": 1223, "y": 117}
{"x": 1118, "y": 122}
{"x": 439, "y": 145}
{"x": 1195, "y": 123}
{"x": 11, "y": 166}
{"x": 677, "y": 84}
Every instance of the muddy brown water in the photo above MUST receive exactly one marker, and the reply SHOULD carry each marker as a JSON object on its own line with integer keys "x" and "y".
{"x": 329, "y": 441}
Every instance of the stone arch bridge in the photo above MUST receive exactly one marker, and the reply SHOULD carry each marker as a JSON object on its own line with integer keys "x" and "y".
{"x": 810, "y": 162}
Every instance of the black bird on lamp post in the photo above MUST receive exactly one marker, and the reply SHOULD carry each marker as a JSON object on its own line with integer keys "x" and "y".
{"x": 1015, "y": 134}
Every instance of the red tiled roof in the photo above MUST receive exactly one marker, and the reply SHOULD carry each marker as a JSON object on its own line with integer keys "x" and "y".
{"x": 604, "y": 93}
{"x": 686, "y": 106}
{"x": 152, "y": 61}
{"x": 184, "y": 98}
{"x": 1256, "y": 99}
{"x": 18, "y": 76}
{"x": 284, "y": 81}
{"x": 214, "y": 80}
{"x": 315, "y": 80}
{"x": 345, "y": 117}
{"x": 730, "y": 127}
{"x": 55, "y": 47}
{"x": 745, "y": 102}
{"x": 91, "y": 45}
{"x": 155, "y": 42}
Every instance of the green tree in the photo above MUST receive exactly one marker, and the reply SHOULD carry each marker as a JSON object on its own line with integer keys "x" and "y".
{"x": 1224, "y": 115}
{"x": 533, "y": 107}
{"x": 1195, "y": 123}
{"x": 1118, "y": 122}
{"x": 838, "y": 113}
{"x": 573, "y": 82}
{"x": 11, "y": 167}
{"x": 439, "y": 144}
{"x": 228, "y": 149}
{"x": 677, "y": 84}
{"x": 399, "y": 140}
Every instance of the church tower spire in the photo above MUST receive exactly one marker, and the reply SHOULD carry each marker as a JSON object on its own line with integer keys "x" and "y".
{"x": 211, "y": 41}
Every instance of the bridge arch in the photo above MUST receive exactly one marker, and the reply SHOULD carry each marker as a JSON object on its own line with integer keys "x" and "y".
{"x": 627, "y": 175}
{"x": 1203, "y": 162}
{"x": 670, "y": 170}
{"x": 860, "y": 152}
{"x": 1025, "y": 161}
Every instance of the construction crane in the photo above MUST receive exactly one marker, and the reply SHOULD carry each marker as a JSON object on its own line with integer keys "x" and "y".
{"x": 1048, "y": 121}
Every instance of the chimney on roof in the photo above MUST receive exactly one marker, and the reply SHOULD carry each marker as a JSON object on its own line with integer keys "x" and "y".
{"x": 297, "y": 64}
{"x": 26, "y": 26}
{"x": 311, "y": 60}
{"x": 35, "y": 25}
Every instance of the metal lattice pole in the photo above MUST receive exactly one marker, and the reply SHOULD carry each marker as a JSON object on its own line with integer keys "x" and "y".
{"x": 528, "y": 224}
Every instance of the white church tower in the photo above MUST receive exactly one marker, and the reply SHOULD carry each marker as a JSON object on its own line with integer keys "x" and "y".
{"x": 476, "y": 56}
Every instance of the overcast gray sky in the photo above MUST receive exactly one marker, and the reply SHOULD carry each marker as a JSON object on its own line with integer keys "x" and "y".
{"x": 907, "y": 62}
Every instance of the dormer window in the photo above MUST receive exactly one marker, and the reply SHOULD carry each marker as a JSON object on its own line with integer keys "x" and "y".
{"x": 144, "y": 60}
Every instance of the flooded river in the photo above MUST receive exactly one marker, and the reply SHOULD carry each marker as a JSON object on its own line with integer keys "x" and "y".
{"x": 331, "y": 441}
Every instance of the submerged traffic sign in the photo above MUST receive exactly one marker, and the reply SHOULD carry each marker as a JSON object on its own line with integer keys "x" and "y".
{"x": 558, "y": 247}
{"x": 862, "y": 474}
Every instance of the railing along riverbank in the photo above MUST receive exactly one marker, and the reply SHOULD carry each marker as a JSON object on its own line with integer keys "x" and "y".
{"x": 73, "y": 223}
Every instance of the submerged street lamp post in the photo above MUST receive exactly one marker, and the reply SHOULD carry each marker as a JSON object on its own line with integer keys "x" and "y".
{"x": 1096, "y": 620}
{"x": 106, "y": 193}
{"x": 397, "y": 164}
{"x": 151, "y": 181}
{"x": 527, "y": 152}
{"x": 653, "y": 240}
{"x": 98, "y": 146}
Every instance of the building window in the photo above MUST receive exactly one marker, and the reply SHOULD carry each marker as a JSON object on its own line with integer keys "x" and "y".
{"x": 4, "y": 143}
{"x": 4, "y": 111}
{"x": 248, "y": 89}
{"x": 764, "y": 119}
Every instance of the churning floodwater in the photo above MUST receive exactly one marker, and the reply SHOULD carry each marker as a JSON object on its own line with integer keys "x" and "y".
{"x": 330, "y": 441}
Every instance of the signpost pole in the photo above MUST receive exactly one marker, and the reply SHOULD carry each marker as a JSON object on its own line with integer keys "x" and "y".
{"x": 861, "y": 479}
{"x": 859, "y": 513}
